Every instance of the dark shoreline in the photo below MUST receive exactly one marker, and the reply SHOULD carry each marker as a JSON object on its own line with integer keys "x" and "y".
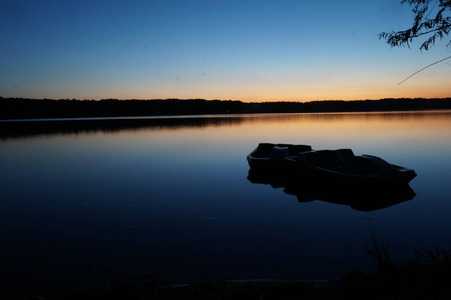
{"x": 427, "y": 276}
{"x": 23, "y": 108}
{"x": 410, "y": 281}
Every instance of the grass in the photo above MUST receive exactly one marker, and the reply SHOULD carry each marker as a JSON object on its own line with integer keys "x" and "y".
{"x": 380, "y": 253}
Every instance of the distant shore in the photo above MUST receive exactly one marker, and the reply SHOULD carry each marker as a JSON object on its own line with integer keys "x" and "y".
{"x": 25, "y": 108}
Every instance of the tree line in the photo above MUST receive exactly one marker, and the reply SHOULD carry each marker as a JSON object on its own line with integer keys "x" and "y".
{"x": 23, "y": 108}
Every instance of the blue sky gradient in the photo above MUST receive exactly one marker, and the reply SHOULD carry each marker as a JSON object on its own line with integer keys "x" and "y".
{"x": 244, "y": 50}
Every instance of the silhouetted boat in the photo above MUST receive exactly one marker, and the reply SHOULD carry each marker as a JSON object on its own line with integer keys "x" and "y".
{"x": 327, "y": 165}
{"x": 360, "y": 197}
{"x": 269, "y": 156}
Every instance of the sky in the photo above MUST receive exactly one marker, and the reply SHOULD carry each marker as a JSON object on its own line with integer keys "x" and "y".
{"x": 249, "y": 50}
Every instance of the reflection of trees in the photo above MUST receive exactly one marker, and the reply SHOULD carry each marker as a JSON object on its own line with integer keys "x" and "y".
{"x": 20, "y": 129}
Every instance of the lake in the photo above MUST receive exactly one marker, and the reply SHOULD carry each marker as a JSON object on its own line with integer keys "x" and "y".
{"x": 97, "y": 202}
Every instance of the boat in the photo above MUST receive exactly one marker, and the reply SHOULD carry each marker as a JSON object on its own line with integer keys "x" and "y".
{"x": 339, "y": 166}
{"x": 268, "y": 156}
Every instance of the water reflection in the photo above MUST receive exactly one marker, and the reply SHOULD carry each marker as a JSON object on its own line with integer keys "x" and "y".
{"x": 13, "y": 129}
{"x": 359, "y": 197}
{"x": 29, "y": 128}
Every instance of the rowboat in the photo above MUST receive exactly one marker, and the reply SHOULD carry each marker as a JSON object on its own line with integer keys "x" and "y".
{"x": 331, "y": 166}
{"x": 268, "y": 156}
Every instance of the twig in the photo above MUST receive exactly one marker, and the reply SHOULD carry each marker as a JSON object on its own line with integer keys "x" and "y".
{"x": 425, "y": 68}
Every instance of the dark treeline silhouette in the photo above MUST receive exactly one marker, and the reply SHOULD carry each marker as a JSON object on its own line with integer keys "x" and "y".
{"x": 13, "y": 108}
{"x": 24, "y": 108}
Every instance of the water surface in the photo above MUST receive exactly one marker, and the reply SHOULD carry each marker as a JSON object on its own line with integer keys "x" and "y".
{"x": 96, "y": 202}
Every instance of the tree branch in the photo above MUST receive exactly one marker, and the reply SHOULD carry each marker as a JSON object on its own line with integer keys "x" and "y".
{"x": 425, "y": 68}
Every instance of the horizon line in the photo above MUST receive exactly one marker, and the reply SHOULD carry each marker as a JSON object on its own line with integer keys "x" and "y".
{"x": 235, "y": 100}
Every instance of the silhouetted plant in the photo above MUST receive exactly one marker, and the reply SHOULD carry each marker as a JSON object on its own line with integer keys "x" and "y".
{"x": 432, "y": 28}
{"x": 435, "y": 257}
{"x": 379, "y": 252}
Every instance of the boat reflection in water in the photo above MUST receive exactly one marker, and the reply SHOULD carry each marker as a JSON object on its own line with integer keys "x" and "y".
{"x": 362, "y": 197}
{"x": 363, "y": 182}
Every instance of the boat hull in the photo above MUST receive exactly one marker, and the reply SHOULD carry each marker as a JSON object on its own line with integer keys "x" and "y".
{"x": 264, "y": 157}
{"x": 326, "y": 166}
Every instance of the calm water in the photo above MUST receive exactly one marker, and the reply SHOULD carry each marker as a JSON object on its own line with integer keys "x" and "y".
{"x": 169, "y": 200}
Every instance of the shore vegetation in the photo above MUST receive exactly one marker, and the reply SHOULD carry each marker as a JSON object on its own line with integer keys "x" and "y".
{"x": 25, "y": 108}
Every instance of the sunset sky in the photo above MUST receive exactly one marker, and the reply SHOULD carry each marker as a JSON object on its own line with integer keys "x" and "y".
{"x": 248, "y": 50}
